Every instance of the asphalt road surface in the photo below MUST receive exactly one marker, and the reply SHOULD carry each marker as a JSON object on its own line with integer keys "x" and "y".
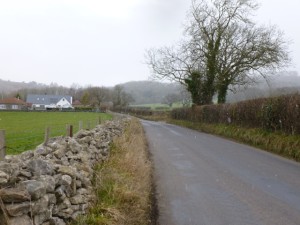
{"x": 207, "y": 180}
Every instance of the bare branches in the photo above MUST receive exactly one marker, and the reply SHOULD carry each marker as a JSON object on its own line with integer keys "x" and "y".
{"x": 225, "y": 47}
{"x": 170, "y": 63}
{"x": 247, "y": 49}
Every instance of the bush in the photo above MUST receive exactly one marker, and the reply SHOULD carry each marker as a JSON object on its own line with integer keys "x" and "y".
{"x": 272, "y": 114}
{"x": 137, "y": 111}
{"x": 84, "y": 108}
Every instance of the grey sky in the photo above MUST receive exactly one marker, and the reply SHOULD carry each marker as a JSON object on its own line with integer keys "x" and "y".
{"x": 97, "y": 42}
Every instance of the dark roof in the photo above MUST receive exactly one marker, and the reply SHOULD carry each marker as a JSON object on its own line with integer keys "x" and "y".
{"x": 47, "y": 99}
{"x": 13, "y": 101}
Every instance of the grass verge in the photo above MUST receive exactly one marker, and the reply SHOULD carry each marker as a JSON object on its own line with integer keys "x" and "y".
{"x": 123, "y": 184}
{"x": 278, "y": 143}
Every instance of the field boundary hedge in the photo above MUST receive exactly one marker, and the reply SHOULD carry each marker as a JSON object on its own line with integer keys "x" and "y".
{"x": 136, "y": 111}
{"x": 271, "y": 114}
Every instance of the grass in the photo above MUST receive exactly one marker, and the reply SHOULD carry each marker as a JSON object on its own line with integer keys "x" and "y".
{"x": 25, "y": 130}
{"x": 123, "y": 183}
{"x": 158, "y": 106}
{"x": 275, "y": 142}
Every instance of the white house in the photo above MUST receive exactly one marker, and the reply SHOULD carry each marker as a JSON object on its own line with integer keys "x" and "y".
{"x": 48, "y": 102}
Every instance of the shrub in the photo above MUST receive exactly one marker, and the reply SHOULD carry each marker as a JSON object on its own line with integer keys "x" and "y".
{"x": 137, "y": 111}
{"x": 272, "y": 114}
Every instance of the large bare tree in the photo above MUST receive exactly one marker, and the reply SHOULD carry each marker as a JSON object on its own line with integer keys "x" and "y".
{"x": 224, "y": 47}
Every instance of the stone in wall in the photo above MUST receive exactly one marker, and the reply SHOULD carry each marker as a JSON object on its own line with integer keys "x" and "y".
{"x": 52, "y": 184}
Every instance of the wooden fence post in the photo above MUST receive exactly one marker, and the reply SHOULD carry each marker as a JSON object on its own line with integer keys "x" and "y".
{"x": 89, "y": 125}
{"x": 47, "y": 135}
{"x": 99, "y": 121}
{"x": 2, "y": 145}
{"x": 69, "y": 131}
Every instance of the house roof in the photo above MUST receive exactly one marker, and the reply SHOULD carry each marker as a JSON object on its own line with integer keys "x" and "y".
{"x": 47, "y": 99}
{"x": 12, "y": 101}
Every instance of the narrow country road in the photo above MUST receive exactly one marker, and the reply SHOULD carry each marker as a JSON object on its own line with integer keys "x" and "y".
{"x": 206, "y": 180}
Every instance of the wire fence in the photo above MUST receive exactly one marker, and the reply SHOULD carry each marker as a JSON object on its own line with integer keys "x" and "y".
{"x": 15, "y": 142}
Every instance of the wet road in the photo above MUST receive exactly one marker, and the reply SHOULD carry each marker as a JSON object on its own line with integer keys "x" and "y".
{"x": 206, "y": 180}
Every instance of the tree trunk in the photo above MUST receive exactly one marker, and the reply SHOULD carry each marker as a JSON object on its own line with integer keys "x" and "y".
{"x": 222, "y": 93}
{"x": 209, "y": 90}
{"x": 213, "y": 47}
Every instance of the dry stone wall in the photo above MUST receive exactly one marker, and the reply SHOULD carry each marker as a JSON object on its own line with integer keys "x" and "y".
{"x": 51, "y": 185}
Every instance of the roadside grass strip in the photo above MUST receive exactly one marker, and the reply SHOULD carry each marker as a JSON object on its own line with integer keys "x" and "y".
{"x": 276, "y": 142}
{"x": 123, "y": 183}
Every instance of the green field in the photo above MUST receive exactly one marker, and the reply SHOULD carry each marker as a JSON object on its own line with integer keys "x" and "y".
{"x": 26, "y": 130}
{"x": 159, "y": 106}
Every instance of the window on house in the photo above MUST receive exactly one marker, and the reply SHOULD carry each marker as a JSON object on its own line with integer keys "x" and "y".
{"x": 2, "y": 106}
{"x": 14, "y": 107}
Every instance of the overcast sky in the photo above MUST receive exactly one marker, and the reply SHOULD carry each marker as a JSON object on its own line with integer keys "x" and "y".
{"x": 102, "y": 42}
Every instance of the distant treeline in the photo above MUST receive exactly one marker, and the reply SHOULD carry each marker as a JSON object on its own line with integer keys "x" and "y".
{"x": 149, "y": 92}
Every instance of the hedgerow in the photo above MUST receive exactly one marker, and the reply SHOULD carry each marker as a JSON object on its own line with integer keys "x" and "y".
{"x": 271, "y": 114}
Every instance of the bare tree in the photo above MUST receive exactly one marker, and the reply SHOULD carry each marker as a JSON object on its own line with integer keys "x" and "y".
{"x": 120, "y": 97}
{"x": 99, "y": 95}
{"x": 230, "y": 46}
{"x": 170, "y": 99}
{"x": 224, "y": 48}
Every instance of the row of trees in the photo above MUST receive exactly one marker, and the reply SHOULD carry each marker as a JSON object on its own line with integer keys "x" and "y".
{"x": 95, "y": 97}
{"x": 222, "y": 48}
